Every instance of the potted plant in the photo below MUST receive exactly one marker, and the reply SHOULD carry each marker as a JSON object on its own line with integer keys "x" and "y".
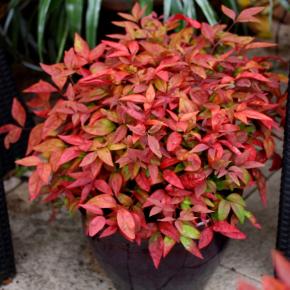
{"x": 154, "y": 138}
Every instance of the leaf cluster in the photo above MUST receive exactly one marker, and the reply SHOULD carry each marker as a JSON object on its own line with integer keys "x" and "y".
{"x": 156, "y": 135}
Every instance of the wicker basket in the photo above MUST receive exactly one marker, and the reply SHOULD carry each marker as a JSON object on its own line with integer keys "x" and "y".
{"x": 7, "y": 158}
{"x": 7, "y": 265}
{"x": 283, "y": 237}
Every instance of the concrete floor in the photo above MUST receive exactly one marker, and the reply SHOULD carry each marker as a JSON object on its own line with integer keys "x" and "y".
{"x": 56, "y": 256}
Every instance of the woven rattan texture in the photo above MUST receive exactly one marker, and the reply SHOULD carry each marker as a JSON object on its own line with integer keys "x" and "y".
{"x": 283, "y": 237}
{"x": 7, "y": 266}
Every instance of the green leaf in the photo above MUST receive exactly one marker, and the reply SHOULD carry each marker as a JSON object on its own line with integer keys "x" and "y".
{"x": 239, "y": 211}
{"x": 74, "y": 10}
{"x": 189, "y": 9}
{"x": 285, "y": 4}
{"x": 186, "y": 203}
{"x": 236, "y": 198}
{"x": 190, "y": 246}
{"x": 92, "y": 21}
{"x": 8, "y": 20}
{"x": 223, "y": 209}
{"x": 148, "y": 4}
{"x": 270, "y": 16}
{"x": 207, "y": 11}
{"x": 246, "y": 176}
{"x": 189, "y": 231}
{"x": 179, "y": 167}
{"x": 14, "y": 3}
{"x": 166, "y": 8}
{"x": 42, "y": 13}
{"x": 61, "y": 36}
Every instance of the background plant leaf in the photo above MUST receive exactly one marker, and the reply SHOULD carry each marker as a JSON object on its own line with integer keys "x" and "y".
{"x": 92, "y": 21}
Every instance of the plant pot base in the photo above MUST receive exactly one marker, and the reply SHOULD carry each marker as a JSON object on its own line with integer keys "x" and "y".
{"x": 131, "y": 268}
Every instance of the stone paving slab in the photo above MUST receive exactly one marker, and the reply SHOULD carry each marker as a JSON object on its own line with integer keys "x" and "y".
{"x": 56, "y": 255}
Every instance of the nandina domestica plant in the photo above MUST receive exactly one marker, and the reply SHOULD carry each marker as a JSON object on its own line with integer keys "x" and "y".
{"x": 156, "y": 135}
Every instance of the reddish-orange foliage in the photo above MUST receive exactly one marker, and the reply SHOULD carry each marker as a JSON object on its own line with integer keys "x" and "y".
{"x": 158, "y": 133}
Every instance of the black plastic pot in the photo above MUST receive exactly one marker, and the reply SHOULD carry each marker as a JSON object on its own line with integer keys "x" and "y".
{"x": 130, "y": 266}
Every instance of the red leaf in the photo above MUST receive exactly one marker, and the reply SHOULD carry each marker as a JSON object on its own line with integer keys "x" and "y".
{"x": 150, "y": 94}
{"x": 41, "y": 87}
{"x": 120, "y": 134}
{"x": 116, "y": 182}
{"x": 228, "y": 230}
{"x": 105, "y": 155}
{"x": 208, "y": 32}
{"x": 68, "y": 155}
{"x": 190, "y": 21}
{"x": 101, "y": 127}
{"x": 126, "y": 223}
{"x": 116, "y": 45}
{"x": 44, "y": 172}
{"x": 80, "y": 182}
{"x": 89, "y": 159}
{"x": 156, "y": 248}
{"x": 29, "y": 161}
{"x": 261, "y": 184}
{"x": 190, "y": 246}
{"x": 138, "y": 11}
{"x": 168, "y": 244}
{"x": 96, "y": 52}
{"x": 243, "y": 115}
{"x": 247, "y": 14}
{"x": 6, "y": 128}
{"x": 49, "y": 145}
{"x": 103, "y": 186}
{"x": 142, "y": 181}
{"x": 253, "y": 164}
{"x": 205, "y": 238}
{"x": 72, "y": 139}
{"x": 199, "y": 148}
{"x": 103, "y": 201}
{"x": 256, "y": 76}
{"x": 271, "y": 283}
{"x": 168, "y": 229}
{"x": 277, "y": 162}
{"x": 81, "y": 47}
{"x": 108, "y": 231}
{"x": 135, "y": 98}
{"x": 92, "y": 209}
{"x": 58, "y": 73}
{"x": 172, "y": 178}
{"x": 18, "y": 112}
{"x": 282, "y": 267}
{"x": 173, "y": 142}
{"x": 154, "y": 174}
{"x": 34, "y": 137}
{"x": 229, "y": 12}
{"x": 133, "y": 46}
{"x": 96, "y": 225}
{"x": 269, "y": 146}
{"x": 14, "y": 134}
{"x": 245, "y": 286}
{"x": 166, "y": 162}
{"x": 154, "y": 146}
{"x": 34, "y": 185}
{"x": 255, "y": 45}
